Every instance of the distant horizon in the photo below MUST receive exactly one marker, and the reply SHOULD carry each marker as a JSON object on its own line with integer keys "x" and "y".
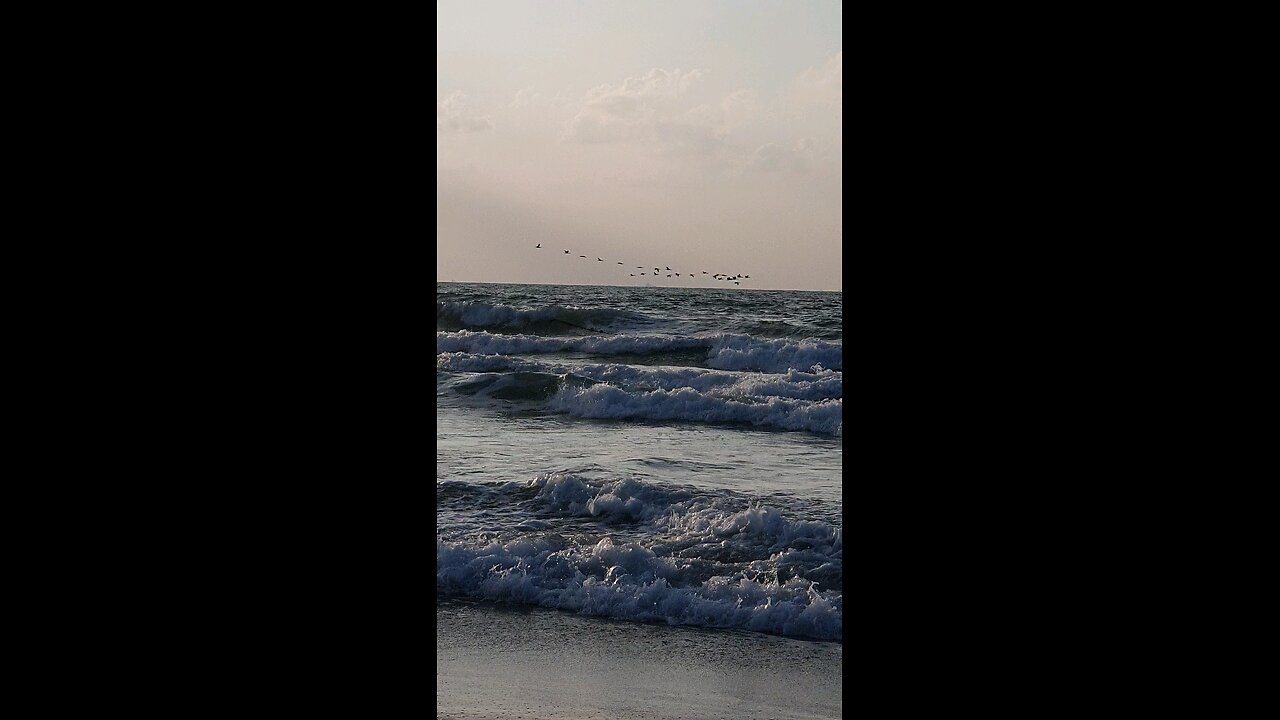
{"x": 696, "y": 134}
{"x": 656, "y": 287}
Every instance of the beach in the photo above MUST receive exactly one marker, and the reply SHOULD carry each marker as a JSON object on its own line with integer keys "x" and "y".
{"x": 496, "y": 661}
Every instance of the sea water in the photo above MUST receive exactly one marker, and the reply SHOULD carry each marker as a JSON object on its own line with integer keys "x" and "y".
{"x": 661, "y": 455}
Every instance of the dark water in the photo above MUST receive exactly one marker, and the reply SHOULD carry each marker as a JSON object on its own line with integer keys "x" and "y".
{"x": 644, "y": 454}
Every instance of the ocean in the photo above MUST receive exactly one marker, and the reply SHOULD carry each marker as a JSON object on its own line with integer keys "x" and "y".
{"x": 642, "y": 455}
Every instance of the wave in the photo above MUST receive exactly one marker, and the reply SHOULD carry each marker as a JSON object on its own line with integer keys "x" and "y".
{"x": 786, "y": 329}
{"x": 686, "y": 404}
{"x": 742, "y": 352}
{"x": 486, "y": 343}
{"x": 793, "y": 401}
{"x": 549, "y": 320}
{"x": 819, "y": 385}
{"x": 713, "y": 560}
{"x": 518, "y": 385}
{"x": 725, "y": 352}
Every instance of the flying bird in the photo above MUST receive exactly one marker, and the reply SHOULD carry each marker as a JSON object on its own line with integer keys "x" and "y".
{"x": 668, "y": 268}
{"x": 582, "y": 256}
{"x": 566, "y": 252}
{"x": 538, "y": 245}
{"x": 735, "y": 282}
{"x": 633, "y": 274}
{"x": 704, "y": 272}
{"x": 619, "y": 262}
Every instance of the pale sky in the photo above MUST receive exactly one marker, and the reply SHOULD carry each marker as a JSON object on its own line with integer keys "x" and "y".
{"x": 695, "y": 134}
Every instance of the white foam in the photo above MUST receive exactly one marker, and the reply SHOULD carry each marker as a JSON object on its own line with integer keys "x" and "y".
{"x": 818, "y": 385}
{"x": 468, "y": 362}
{"x": 712, "y": 559}
{"x": 687, "y": 404}
{"x": 742, "y": 352}
{"x": 724, "y": 352}
{"x": 821, "y": 385}
{"x": 486, "y": 343}
{"x": 628, "y": 581}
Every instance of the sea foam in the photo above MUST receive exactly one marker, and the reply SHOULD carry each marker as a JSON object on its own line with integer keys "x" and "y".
{"x": 703, "y": 560}
{"x": 606, "y": 401}
{"x": 724, "y": 352}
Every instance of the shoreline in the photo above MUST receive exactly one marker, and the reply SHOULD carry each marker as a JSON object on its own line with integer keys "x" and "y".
{"x": 503, "y": 661}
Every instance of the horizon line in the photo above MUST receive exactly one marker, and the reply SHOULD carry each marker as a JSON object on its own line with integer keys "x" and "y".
{"x": 671, "y": 287}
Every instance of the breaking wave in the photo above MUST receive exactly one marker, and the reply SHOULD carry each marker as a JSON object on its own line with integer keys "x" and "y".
{"x": 724, "y": 352}
{"x": 708, "y": 559}
{"x": 687, "y": 404}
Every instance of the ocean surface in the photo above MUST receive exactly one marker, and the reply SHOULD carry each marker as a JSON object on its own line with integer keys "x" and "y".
{"x": 646, "y": 455}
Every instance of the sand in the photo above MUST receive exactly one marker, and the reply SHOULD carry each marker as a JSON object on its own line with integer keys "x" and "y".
{"x": 495, "y": 661}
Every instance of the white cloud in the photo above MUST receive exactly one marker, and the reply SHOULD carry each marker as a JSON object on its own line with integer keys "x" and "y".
{"x": 825, "y": 82}
{"x": 452, "y": 116}
{"x": 738, "y": 106}
{"x": 649, "y": 107}
{"x": 526, "y": 96}
{"x": 655, "y": 85}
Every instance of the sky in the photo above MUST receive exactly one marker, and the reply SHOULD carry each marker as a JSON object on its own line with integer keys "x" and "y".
{"x": 700, "y": 135}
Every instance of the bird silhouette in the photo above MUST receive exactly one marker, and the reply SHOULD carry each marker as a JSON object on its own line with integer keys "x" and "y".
{"x": 677, "y": 274}
{"x": 668, "y": 268}
{"x": 566, "y": 252}
{"x": 735, "y": 282}
{"x": 538, "y": 245}
{"x": 619, "y": 263}
{"x": 668, "y": 274}
{"x": 633, "y": 274}
{"x": 582, "y": 256}
{"x": 599, "y": 260}
{"x": 704, "y": 272}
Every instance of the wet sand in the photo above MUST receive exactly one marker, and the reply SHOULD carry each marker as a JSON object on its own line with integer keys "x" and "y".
{"x": 495, "y": 661}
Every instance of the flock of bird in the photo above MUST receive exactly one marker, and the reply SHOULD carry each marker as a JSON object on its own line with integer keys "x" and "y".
{"x": 669, "y": 272}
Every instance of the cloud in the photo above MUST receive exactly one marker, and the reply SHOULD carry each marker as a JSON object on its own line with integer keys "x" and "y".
{"x": 825, "y": 82}
{"x": 647, "y": 107}
{"x": 451, "y": 116}
{"x": 772, "y": 157}
{"x": 689, "y": 138}
{"x": 593, "y": 127}
{"x": 526, "y": 96}
{"x": 655, "y": 85}
{"x": 738, "y": 103}
{"x": 815, "y": 108}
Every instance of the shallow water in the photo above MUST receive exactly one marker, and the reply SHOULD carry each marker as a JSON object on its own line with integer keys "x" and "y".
{"x": 532, "y": 663}
{"x": 643, "y": 454}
